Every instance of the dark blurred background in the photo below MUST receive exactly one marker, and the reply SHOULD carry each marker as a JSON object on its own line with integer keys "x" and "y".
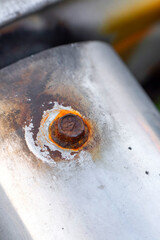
{"x": 131, "y": 27}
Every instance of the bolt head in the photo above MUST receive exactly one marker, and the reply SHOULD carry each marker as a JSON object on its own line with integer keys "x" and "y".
{"x": 71, "y": 127}
{"x": 69, "y": 131}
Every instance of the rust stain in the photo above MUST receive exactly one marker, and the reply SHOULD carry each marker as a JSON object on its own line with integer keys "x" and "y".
{"x": 69, "y": 130}
{"x": 30, "y": 87}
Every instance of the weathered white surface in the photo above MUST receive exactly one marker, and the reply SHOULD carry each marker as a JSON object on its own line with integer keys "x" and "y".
{"x": 11, "y": 10}
{"x": 94, "y": 197}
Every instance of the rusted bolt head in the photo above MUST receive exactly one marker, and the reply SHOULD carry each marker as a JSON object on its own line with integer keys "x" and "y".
{"x": 69, "y": 131}
{"x": 71, "y": 127}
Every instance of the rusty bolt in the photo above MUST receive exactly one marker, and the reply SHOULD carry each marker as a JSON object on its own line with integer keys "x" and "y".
{"x": 71, "y": 127}
{"x": 69, "y": 131}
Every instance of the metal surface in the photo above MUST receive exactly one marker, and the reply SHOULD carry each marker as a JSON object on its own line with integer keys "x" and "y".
{"x": 110, "y": 188}
{"x": 11, "y": 226}
{"x": 11, "y": 10}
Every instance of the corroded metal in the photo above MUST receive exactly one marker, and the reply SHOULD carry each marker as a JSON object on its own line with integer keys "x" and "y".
{"x": 69, "y": 131}
{"x": 107, "y": 189}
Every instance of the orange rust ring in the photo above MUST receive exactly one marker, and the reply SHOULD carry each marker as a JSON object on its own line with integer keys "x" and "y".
{"x": 69, "y": 131}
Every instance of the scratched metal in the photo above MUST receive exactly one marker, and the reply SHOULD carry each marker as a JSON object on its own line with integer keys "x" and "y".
{"x": 11, "y": 10}
{"x": 110, "y": 188}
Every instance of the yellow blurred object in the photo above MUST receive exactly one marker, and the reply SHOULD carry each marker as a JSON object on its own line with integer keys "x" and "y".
{"x": 127, "y": 46}
{"x": 130, "y": 24}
